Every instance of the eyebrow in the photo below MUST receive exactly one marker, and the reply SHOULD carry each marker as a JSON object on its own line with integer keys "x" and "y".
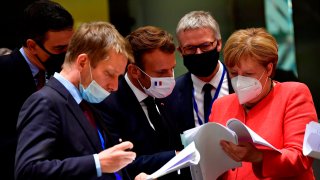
{"x": 60, "y": 46}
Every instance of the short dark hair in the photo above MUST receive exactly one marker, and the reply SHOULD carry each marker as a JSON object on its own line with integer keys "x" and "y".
{"x": 148, "y": 38}
{"x": 43, "y": 16}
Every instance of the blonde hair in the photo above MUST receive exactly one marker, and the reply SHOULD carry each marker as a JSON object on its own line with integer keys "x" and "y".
{"x": 255, "y": 43}
{"x": 95, "y": 39}
{"x": 198, "y": 19}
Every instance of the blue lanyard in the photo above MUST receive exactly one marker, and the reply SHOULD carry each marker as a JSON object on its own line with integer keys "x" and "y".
{"x": 118, "y": 177}
{"x": 101, "y": 140}
{"x": 195, "y": 106}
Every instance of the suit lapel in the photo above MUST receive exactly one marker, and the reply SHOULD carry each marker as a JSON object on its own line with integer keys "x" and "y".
{"x": 186, "y": 95}
{"x": 128, "y": 95}
{"x": 80, "y": 118}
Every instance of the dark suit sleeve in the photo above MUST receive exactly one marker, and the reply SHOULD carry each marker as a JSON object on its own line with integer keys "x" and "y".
{"x": 149, "y": 163}
{"x": 37, "y": 157}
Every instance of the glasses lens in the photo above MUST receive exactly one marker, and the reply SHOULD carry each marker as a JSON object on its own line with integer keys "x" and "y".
{"x": 207, "y": 46}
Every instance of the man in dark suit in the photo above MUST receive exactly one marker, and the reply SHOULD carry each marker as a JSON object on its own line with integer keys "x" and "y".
{"x": 47, "y": 32}
{"x": 61, "y": 136}
{"x": 200, "y": 42}
{"x": 150, "y": 77}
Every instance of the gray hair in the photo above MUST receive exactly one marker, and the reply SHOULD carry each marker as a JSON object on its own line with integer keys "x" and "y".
{"x": 198, "y": 19}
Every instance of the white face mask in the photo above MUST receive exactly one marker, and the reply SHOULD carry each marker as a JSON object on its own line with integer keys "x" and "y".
{"x": 161, "y": 87}
{"x": 94, "y": 93}
{"x": 246, "y": 88}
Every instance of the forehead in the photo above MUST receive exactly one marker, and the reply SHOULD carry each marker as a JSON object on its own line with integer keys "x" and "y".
{"x": 195, "y": 36}
{"x": 115, "y": 63}
{"x": 247, "y": 64}
{"x": 58, "y": 38}
{"x": 157, "y": 59}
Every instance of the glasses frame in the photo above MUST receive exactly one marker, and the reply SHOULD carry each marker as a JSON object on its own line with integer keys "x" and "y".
{"x": 204, "y": 47}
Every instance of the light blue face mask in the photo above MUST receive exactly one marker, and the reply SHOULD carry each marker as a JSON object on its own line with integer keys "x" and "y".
{"x": 94, "y": 93}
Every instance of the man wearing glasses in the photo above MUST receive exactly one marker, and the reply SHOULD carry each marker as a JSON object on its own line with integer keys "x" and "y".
{"x": 207, "y": 79}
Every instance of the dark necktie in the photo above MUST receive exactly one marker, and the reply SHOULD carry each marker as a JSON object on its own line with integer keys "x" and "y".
{"x": 154, "y": 115}
{"x": 207, "y": 98}
{"x": 41, "y": 79}
{"x": 88, "y": 113}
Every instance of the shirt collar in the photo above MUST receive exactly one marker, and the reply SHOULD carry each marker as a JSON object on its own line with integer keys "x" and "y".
{"x": 73, "y": 90}
{"x": 137, "y": 92}
{"x": 198, "y": 84}
{"x": 34, "y": 69}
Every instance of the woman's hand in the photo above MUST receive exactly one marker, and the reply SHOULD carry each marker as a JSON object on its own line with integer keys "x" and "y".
{"x": 243, "y": 152}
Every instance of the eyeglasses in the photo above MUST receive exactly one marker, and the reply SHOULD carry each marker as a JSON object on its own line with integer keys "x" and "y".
{"x": 206, "y": 46}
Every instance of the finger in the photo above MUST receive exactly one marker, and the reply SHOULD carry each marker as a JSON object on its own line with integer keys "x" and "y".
{"x": 231, "y": 150}
{"x": 123, "y": 146}
{"x": 120, "y": 154}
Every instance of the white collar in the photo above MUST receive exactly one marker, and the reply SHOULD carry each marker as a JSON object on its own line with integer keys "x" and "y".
{"x": 137, "y": 92}
{"x": 198, "y": 84}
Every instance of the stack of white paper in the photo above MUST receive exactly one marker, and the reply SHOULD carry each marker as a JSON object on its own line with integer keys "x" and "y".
{"x": 214, "y": 161}
{"x": 311, "y": 142}
{"x": 188, "y": 156}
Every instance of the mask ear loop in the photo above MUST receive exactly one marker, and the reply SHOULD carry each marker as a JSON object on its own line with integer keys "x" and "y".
{"x": 265, "y": 82}
{"x": 145, "y": 74}
{"x": 90, "y": 73}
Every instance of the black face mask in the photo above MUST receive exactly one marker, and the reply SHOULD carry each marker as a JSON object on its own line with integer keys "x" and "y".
{"x": 202, "y": 65}
{"x": 53, "y": 63}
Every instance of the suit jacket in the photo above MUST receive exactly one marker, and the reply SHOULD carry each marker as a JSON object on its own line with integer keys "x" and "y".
{"x": 17, "y": 85}
{"x": 124, "y": 114}
{"x": 56, "y": 141}
{"x": 181, "y": 104}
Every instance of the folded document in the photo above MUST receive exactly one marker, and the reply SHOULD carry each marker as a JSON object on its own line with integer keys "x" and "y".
{"x": 214, "y": 161}
{"x": 311, "y": 142}
{"x": 188, "y": 156}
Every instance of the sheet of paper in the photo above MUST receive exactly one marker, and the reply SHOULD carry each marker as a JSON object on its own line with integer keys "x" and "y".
{"x": 188, "y": 156}
{"x": 188, "y": 136}
{"x": 311, "y": 142}
{"x": 245, "y": 134}
{"x": 214, "y": 161}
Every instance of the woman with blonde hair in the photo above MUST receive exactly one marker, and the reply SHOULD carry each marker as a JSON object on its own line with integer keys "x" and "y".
{"x": 278, "y": 112}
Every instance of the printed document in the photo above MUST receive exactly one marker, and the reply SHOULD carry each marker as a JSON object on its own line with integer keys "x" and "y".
{"x": 214, "y": 162}
{"x": 311, "y": 142}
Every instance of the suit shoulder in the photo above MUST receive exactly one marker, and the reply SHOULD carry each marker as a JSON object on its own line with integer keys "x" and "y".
{"x": 293, "y": 87}
{"x": 228, "y": 99}
{"x": 181, "y": 80}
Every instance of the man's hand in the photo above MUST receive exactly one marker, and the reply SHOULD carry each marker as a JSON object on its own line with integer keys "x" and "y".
{"x": 141, "y": 176}
{"x": 242, "y": 152}
{"x": 116, "y": 157}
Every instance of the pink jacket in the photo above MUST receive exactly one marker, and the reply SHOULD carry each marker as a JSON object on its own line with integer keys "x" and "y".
{"x": 281, "y": 119}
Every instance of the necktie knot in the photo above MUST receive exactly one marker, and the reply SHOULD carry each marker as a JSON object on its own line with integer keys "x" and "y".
{"x": 88, "y": 113}
{"x": 149, "y": 101}
{"x": 154, "y": 115}
{"x": 207, "y": 88}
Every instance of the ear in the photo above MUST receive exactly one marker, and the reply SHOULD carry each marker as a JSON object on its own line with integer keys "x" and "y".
{"x": 82, "y": 61}
{"x": 134, "y": 71}
{"x": 31, "y": 45}
{"x": 219, "y": 45}
{"x": 269, "y": 69}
